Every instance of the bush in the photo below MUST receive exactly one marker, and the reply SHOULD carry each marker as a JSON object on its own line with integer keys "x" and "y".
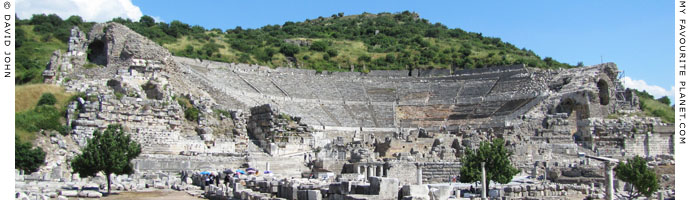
{"x": 665, "y": 100}
{"x": 151, "y": 91}
{"x": 319, "y": 46}
{"x": 42, "y": 117}
{"x": 636, "y": 172}
{"x": 289, "y": 49}
{"x": 332, "y": 52}
{"x": 47, "y": 99}
{"x": 26, "y": 157}
{"x": 191, "y": 114}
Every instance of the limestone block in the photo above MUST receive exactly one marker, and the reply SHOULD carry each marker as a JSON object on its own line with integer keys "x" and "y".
{"x": 335, "y": 188}
{"x": 94, "y": 194}
{"x": 69, "y": 193}
{"x": 360, "y": 189}
{"x": 309, "y": 195}
{"x": 440, "y": 192}
{"x": 416, "y": 191}
{"x": 387, "y": 187}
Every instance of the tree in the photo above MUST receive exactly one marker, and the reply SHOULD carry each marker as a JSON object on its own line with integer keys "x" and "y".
{"x": 109, "y": 152}
{"x": 27, "y": 158}
{"x": 635, "y": 172}
{"x": 289, "y": 49}
{"x": 74, "y": 20}
{"x": 47, "y": 99}
{"x": 498, "y": 167}
{"x": 319, "y": 46}
{"x": 147, "y": 21}
{"x": 580, "y": 64}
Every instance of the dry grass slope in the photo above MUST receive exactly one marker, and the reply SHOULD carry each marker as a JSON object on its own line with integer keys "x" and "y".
{"x": 26, "y": 96}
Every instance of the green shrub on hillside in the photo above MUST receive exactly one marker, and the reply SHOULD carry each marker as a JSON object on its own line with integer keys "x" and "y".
{"x": 47, "y": 99}
{"x": 45, "y": 117}
{"x": 656, "y": 107}
{"x": 26, "y": 157}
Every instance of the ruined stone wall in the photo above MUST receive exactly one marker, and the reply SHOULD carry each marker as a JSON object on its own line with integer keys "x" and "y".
{"x": 439, "y": 172}
{"x": 405, "y": 172}
{"x": 171, "y": 163}
{"x": 277, "y": 133}
{"x": 647, "y": 145}
{"x": 432, "y": 172}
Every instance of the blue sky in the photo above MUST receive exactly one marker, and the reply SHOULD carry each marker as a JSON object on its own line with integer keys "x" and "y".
{"x": 636, "y": 35}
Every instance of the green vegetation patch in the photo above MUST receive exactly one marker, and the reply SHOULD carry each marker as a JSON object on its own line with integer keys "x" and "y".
{"x": 393, "y": 41}
{"x": 656, "y": 107}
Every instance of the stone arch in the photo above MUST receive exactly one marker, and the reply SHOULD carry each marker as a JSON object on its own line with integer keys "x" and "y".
{"x": 566, "y": 106}
{"x": 97, "y": 53}
{"x": 572, "y": 108}
{"x": 604, "y": 96}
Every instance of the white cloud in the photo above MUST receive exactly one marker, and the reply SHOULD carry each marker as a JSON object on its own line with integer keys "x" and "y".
{"x": 641, "y": 85}
{"x": 89, "y": 10}
{"x": 158, "y": 19}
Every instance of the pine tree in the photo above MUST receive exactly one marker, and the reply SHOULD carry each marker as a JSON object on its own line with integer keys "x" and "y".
{"x": 635, "y": 172}
{"x": 109, "y": 152}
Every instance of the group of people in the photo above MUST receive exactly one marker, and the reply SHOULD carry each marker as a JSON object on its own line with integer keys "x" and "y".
{"x": 214, "y": 178}
{"x": 307, "y": 155}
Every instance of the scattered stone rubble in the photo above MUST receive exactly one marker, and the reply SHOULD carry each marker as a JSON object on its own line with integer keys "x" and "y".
{"x": 382, "y": 135}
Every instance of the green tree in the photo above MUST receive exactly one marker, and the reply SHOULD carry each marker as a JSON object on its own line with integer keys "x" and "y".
{"x": 289, "y": 49}
{"x": 635, "y": 172}
{"x": 47, "y": 99}
{"x": 497, "y": 163}
{"x": 74, "y": 20}
{"x": 319, "y": 46}
{"x": 27, "y": 158}
{"x": 147, "y": 21}
{"x": 109, "y": 152}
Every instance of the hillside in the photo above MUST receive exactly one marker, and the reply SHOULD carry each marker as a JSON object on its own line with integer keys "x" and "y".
{"x": 365, "y": 42}
{"x": 337, "y": 43}
{"x": 656, "y": 107}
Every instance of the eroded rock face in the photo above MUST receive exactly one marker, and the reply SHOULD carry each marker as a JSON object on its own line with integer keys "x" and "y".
{"x": 115, "y": 44}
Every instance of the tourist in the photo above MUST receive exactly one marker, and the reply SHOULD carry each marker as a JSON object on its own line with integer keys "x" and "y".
{"x": 217, "y": 179}
{"x": 208, "y": 180}
{"x": 226, "y": 181}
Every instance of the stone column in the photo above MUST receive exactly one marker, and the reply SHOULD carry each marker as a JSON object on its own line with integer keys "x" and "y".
{"x": 358, "y": 170}
{"x": 419, "y": 175}
{"x": 483, "y": 182}
{"x": 268, "y": 166}
{"x": 379, "y": 169}
{"x": 370, "y": 171}
{"x": 609, "y": 180}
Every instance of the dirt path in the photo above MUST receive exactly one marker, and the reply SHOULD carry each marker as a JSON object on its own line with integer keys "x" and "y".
{"x": 151, "y": 195}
